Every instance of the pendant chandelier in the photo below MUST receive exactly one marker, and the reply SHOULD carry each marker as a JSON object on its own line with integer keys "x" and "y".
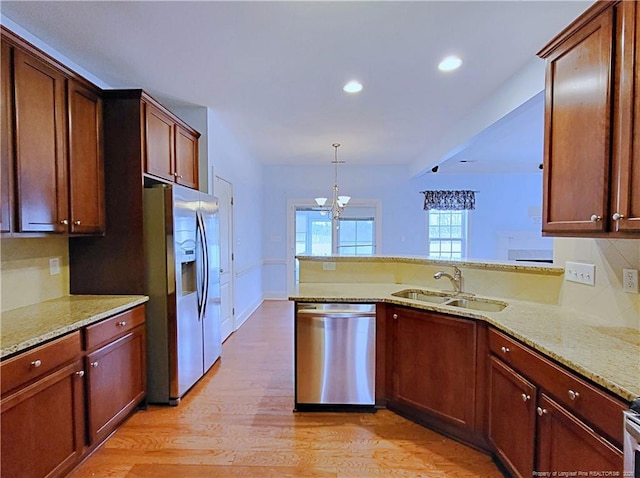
{"x": 338, "y": 203}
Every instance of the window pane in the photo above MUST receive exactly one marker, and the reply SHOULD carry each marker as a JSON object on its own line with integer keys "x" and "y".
{"x": 347, "y": 231}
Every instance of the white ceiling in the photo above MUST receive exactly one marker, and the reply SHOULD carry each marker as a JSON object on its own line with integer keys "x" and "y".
{"x": 273, "y": 71}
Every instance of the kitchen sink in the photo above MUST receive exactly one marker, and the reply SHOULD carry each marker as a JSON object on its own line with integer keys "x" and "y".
{"x": 477, "y": 304}
{"x": 422, "y": 295}
{"x": 441, "y": 298}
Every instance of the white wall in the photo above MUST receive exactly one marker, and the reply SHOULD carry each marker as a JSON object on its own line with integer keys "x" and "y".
{"x": 502, "y": 204}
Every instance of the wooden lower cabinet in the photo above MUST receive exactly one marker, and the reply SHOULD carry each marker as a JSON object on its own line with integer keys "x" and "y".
{"x": 434, "y": 370}
{"x": 566, "y": 444}
{"x": 512, "y": 418}
{"x": 43, "y": 425}
{"x": 116, "y": 382}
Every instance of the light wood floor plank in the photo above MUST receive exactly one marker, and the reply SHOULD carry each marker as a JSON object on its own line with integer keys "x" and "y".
{"x": 238, "y": 421}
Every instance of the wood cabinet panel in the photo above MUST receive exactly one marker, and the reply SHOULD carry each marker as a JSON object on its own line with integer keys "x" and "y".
{"x": 105, "y": 331}
{"x": 568, "y": 445}
{"x": 577, "y": 130}
{"x": 116, "y": 382}
{"x": 6, "y": 139}
{"x": 434, "y": 365}
{"x": 160, "y": 143}
{"x": 40, "y": 146}
{"x": 512, "y": 418}
{"x": 86, "y": 164}
{"x": 30, "y": 365}
{"x": 43, "y": 425}
{"x": 626, "y": 146}
{"x": 186, "y": 158}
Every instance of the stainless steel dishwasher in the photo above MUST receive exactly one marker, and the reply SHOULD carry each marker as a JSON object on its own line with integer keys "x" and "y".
{"x": 335, "y": 350}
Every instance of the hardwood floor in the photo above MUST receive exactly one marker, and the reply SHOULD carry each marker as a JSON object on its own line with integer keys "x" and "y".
{"x": 238, "y": 421}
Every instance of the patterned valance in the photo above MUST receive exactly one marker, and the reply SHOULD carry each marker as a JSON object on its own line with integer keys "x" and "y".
{"x": 449, "y": 200}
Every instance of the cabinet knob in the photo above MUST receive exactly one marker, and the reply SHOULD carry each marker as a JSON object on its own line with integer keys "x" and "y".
{"x": 121, "y": 323}
{"x": 80, "y": 373}
{"x": 94, "y": 364}
{"x": 617, "y": 216}
{"x": 595, "y": 218}
{"x": 64, "y": 222}
{"x": 395, "y": 316}
{"x": 36, "y": 363}
{"x": 76, "y": 223}
{"x": 573, "y": 395}
{"x": 179, "y": 176}
{"x": 525, "y": 397}
{"x": 505, "y": 350}
{"x": 541, "y": 411}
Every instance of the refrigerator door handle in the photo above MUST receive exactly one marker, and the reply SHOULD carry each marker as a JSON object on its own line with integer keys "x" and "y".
{"x": 205, "y": 264}
{"x": 199, "y": 267}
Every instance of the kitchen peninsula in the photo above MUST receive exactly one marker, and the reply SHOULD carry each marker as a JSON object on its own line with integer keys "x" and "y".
{"x": 490, "y": 378}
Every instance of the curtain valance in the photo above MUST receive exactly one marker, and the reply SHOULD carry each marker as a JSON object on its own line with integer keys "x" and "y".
{"x": 449, "y": 200}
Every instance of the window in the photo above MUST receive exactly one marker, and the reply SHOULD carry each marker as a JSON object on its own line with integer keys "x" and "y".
{"x": 447, "y": 233}
{"x": 355, "y": 237}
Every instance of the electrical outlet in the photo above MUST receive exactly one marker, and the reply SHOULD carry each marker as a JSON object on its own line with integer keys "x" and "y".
{"x": 630, "y": 280}
{"x": 580, "y": 273}
{"x": 328, "y": 266}
{"x": 54, "y": 266}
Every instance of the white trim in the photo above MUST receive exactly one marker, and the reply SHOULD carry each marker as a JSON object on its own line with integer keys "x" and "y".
{"x": 242, "y": 317}
{"x": 248, "y": 269}
{"x": 274, "y": 262}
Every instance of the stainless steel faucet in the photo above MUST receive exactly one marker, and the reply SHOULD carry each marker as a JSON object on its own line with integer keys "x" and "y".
{"x": 456, "y": 278}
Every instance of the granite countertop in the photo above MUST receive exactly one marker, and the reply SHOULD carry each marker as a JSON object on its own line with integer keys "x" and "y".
{"x": 609, "y": 356}
{"x": 27, "y": 326}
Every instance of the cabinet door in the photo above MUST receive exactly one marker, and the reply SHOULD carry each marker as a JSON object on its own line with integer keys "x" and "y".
{"x": 40, "y": 146}
{"x": 43, "y": 425}
{"x": 6, "y": 140}
{"x": 567, "y": 444}
{"x": 512, "y": 418}
{"x": 160, "y": 154}
{"x": 434, "y": 365}
{"x": 186, "y": 158}
{"x": 86, "y": 166}
{"x": 577, "y": 130}
{"x": 116, "y": 382}
{"x": 626, "y": 163}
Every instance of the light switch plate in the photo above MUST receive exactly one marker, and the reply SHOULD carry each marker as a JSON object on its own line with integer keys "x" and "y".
{"x": 54, "y": 266}
{"x": 580, "y": 272}
{"x": 328, "y": 266}
{"x": 630, "y": 280}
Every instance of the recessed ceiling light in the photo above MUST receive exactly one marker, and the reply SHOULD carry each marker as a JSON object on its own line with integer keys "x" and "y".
{"x": 450, "y": 63}
{"x": 353, "y": 87}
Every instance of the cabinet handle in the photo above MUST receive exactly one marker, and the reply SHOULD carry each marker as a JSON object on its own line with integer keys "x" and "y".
{"x": 36, "y": 363}
{"x": 179, "y": 176}
{"x": 617, "y": 216}
{"x": 573, "y": 395}
{"x": 94, "y": 364}
{"x": 541, "y": 411}
{"x": 595, "y": 218}
{"x": 505, "y": 350}
{"x": 121, "y": 324}
{"x": 525, "y": 397}
{"x": 395, "y": 316}
{"x": 76, "y": 223}
{"x": 64, "y": 222}
{"x": 80, "y": 373}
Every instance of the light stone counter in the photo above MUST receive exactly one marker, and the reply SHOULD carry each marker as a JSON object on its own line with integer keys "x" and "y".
{"x": 609, "y": 356}
{"x": 28, "y": 326}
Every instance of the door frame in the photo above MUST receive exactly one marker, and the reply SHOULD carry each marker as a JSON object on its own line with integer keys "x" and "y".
{"x": 230, "y": 236}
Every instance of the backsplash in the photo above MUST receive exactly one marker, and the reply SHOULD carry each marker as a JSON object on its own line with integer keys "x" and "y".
{"x": 604, "y": 303}
{"x": 25, "y": 278}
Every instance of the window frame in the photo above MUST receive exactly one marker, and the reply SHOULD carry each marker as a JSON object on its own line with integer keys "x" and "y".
{"x": 464, "y": 240}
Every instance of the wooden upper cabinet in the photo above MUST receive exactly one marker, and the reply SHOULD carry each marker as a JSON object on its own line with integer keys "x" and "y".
{"x": 626, "y": 164}
{"x": 40, "y": 161}
{"x": 577, "y": 129}
{"x": 6, "y": 140}
{"x": 160, "y": 143}
{"x": 186, "y": 158}
{"x": 86, "y": 163}
{"x": 171, "y": 149}
{"x": 592, "y": 125}
{"x": 566, "y": 443}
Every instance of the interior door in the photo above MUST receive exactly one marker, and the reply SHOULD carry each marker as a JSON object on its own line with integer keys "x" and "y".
{"x": 223, "y": 190}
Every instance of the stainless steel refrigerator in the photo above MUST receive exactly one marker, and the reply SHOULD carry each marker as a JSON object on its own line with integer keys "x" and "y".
{"x": 182, "y": 257}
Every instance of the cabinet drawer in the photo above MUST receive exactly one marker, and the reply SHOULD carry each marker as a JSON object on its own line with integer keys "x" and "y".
{"x": 602, "y": 411}
{"x": 108, "y": 329}
{"x": 30, "y": 365}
